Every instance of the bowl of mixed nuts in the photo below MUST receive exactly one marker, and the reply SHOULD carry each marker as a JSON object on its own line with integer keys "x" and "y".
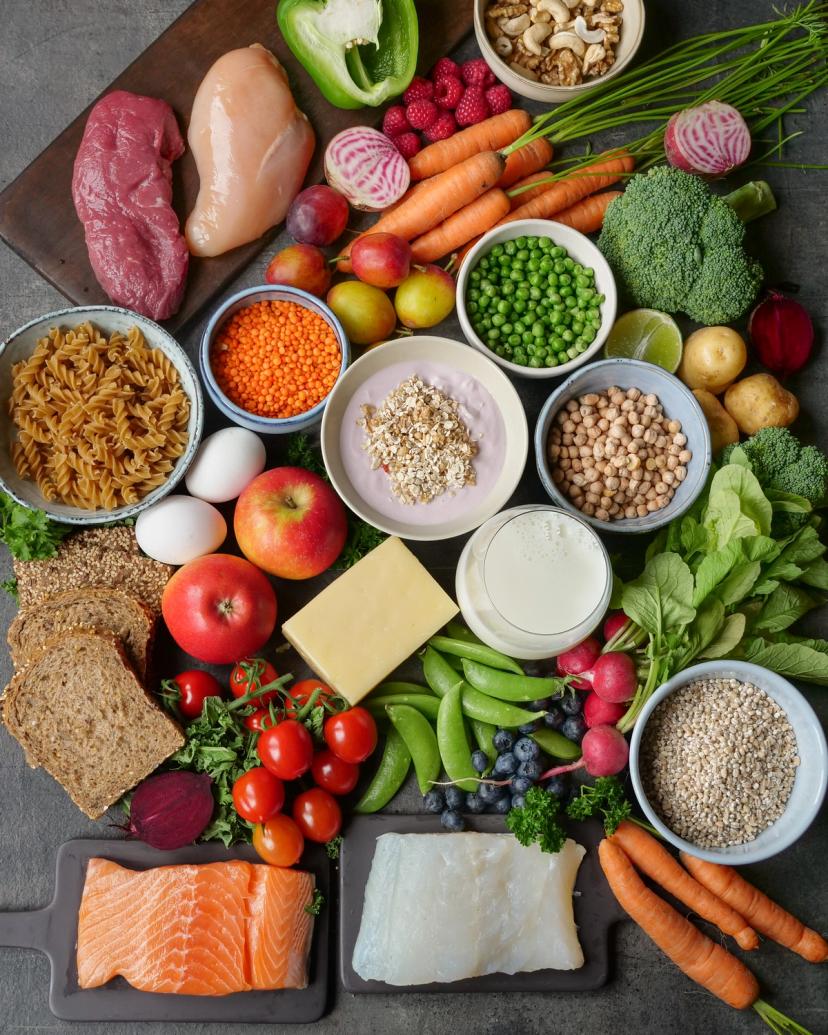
{"x": 624, "y": 444}
{"x": 550, "y": 50}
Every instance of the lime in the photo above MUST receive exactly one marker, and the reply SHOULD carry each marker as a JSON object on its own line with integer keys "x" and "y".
{"x": 648, "y": 335}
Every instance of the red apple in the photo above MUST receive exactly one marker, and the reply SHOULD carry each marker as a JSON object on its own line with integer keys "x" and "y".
{"x": 301, "y": 266}
{"x": 291, "y": 523}
{"x": 219, "y": 608}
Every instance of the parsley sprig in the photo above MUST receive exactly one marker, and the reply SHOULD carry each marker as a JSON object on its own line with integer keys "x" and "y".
{"x": 605, "y": 798}
{"x": 538, "y": 821}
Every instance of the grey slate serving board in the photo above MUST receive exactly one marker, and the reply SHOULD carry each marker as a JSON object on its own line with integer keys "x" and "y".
{"x": 53, "y": 931}
{"x": 595, "y": 910}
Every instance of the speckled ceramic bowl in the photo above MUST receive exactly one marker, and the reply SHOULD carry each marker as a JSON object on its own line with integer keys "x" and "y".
{"x": 107, "y": 318}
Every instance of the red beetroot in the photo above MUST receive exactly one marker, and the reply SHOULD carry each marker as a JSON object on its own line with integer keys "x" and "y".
{"x": 614, "y": 623}
{"x": 579, "y": 659}
{"x": 614, "y": 677}
{"x": 598, "y": 712}
{"x": 171, "y": 810}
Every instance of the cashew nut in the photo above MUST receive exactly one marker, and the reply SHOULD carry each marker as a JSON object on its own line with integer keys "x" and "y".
{"x": 515, "y": 26}
{"x": 557, "y": 8}
{"x": 595, "y": 53}
{"x": 542, "y": 16}
{"x": 503, "y": 46}
{"x": 571, "y": 4}
{"x": 535, "y": 35}
{"x": 527, "y": 73}
{"x": 587, "y": 35}
{"x": 567, "y": 41}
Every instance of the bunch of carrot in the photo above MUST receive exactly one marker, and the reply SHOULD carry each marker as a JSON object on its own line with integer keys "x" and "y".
{"x": 717, "y": 894}
{"x": 487, "y": 175}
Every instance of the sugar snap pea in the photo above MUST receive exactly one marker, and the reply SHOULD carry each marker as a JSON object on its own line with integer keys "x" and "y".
{"x": 396, "y": 686}
{"x": 509, "y": 687}
{"x": 483, "y": 734}
{"x": 475, "y": 652}
{"x": 420, "y": 740}
{"x": 455, "y": 662}
{"x": 457, "y": 631}
{"x": 453, "y": 740}
{"x": 556, "y": 745}
{"x": 439, "y": 675}
{"x": 393, "y": 769}
{"x": 496, "y": 713}
{"x": 426, "y": 704}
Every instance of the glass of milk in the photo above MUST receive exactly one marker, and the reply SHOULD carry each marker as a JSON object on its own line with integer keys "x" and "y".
{"x": 533, "y": 581}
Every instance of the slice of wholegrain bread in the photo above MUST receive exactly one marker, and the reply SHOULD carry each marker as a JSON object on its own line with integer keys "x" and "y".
{"x": 78, "y": 710}
{"x": 103, "y": 610}
{"x": 95, "y": 557}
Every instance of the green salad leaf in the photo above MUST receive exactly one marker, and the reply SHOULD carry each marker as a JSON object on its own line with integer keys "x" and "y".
{"x": 30, "y": 535}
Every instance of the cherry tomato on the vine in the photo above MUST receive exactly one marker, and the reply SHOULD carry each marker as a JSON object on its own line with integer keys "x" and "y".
{"x": 258, "y": 795}
{"x": 302, "y": 692}
{"x": 279, "y": 841}
{"x": 241, "y": 683}
{"x": 260, "y": 720}
{"x": 286, "y": 750}
{"x": 193, "y": 686}
{"x": 332, "y": 774}
{"x": 317, "y": 815}
{"x": 351, "y": 735}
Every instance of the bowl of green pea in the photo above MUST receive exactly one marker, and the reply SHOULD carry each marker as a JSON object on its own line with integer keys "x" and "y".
{"x": 537, "y": 297}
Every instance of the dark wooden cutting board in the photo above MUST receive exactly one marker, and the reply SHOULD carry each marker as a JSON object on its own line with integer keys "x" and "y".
{"x": 37, "y": 217}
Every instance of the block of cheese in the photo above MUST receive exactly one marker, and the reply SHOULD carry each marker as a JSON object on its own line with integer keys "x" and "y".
{"x": 367, "y": 622}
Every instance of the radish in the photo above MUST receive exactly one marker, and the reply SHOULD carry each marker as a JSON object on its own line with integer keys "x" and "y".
{"x": 604, "y": 752}
{"x": 708, "y": 140}
{"x": 366, "y": 167}
{"x": 598, "y": 712}
{"x": 614, "y": 677}
{"x": 579, "y": 659}
{"x": 614, "y": 623}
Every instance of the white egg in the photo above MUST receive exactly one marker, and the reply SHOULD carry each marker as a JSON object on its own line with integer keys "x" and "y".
{"x": 226, "y": 462}
{"x": 178, "y": 529}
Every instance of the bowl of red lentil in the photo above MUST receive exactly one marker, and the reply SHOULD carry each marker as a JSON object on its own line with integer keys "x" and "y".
{"x": 623, "y": 444}
{"x": 270, "y": 357}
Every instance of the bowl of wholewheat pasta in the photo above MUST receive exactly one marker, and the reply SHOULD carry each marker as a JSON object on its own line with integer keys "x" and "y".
{"x": 103, "y": 414}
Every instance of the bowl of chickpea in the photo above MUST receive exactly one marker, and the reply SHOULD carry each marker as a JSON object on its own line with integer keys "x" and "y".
{"x": 624, "y": 444}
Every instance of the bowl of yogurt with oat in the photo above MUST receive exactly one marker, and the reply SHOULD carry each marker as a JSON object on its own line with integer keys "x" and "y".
{"x": 424, "y": 438}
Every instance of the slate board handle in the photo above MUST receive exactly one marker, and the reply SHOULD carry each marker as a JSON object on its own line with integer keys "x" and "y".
{"x": 24, "y": 930}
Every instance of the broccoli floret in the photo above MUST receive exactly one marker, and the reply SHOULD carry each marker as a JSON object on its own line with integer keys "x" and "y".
{"x": 781, "y": 462}
{"x": 675, "y": 246}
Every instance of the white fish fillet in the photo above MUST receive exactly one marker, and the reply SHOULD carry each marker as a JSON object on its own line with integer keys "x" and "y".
{"x": 443, "y": 907}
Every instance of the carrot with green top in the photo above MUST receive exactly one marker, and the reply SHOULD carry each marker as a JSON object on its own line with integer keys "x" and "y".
{"x": 761, "y": 912}
{"x": 536, "y": 184}
{"x": 491, "y": 134}
{"x": 587, "y": 216}
{"x": 566, "y": 192}
{"x": 525, "y": 160}
{"x": 480, "y": 215}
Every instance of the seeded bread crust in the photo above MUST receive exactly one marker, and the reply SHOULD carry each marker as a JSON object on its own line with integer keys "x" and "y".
{"x": 100, "y": 610}
{"x": 79, "y": 712}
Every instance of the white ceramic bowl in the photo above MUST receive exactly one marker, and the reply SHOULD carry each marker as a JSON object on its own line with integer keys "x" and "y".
{"x": 579, "y": 248}
{"x": 811, "y": 776}
{"x": 679, "y": 404}
{"x": 632, "y": 32}
{"x": 410, "y": 354}
{"x": 107, "y": 318}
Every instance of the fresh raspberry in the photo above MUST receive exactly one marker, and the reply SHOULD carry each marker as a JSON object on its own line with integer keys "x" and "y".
{"x": 498, "y": 98}
{"x": 444, "y": 127}
{"x": 408, "y": 144}
{"x": 421, "y": 114}
{"x": 445, "y": 69}
{"x": 419, "y": 90}
{"x": 477, "y": 73}
{"x": 472, "y": 107}
{"x": 447, "y": 92}
{"x": 394, "y": 121}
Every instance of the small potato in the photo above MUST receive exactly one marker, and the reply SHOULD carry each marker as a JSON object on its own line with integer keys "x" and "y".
{"x": 713, "y": 358}
{"x": 723, "y": 429}
{"x": 760, "y": 401}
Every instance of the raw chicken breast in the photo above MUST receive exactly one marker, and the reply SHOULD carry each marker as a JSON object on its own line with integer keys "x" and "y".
{"x": 252, "y": 147}
{"x": 443, "y": 907}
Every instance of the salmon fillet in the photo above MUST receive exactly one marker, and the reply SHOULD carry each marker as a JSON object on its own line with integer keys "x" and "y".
{"x": 207, "y": 929}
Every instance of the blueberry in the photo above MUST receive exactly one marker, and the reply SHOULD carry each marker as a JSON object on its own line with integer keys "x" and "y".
{"x": 480, "y": 761}
{"x": 503, "y": 740}
{"x": 506, "y": 763}
{"x": 574, "y": 728}
{"x": 518, "y": 801}
{"x": 526, "y": 749}
{"x": 434, "y": 801}
{"x": 452, "y": 821}
{"x": 501, "y": 806}
{"x": 572, "y": 704}
{"x": 554, "y": 718}
{"x": 557, "y": 786}
{"x": 536, "y": 668}
{"x": 528, "y": 727}
{"x": 531, "y": 769}
{"x": 538, "y": 706}
{"x": 455, "y": 798}
{"x": 474, "y": 803}
{"x": 489, "y": 792}
{"x": 521, "y": 784}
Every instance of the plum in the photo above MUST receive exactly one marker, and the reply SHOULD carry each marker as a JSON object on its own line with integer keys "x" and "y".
{"x": 364, "y": 311}
{"x": 383, "y": 260}
{"x": 318, "y": 215}
{"x": 425, "y": 297}
{"x": 301, "y": 266}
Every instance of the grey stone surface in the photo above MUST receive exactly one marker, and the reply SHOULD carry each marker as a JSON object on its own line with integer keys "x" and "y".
{"x": 55, "y": 57}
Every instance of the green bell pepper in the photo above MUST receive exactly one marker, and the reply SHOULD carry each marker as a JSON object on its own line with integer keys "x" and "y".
{"x": 359, "y": 52}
